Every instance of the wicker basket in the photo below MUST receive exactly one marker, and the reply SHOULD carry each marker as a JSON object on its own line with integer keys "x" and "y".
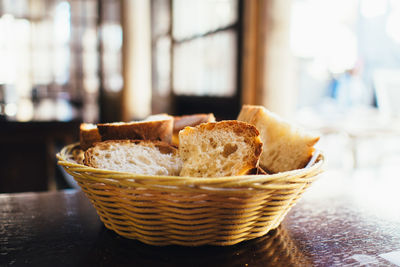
{"x": 164, "y": 210}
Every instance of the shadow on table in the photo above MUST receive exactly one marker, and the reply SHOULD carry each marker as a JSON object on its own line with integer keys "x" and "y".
{"x": 274, "y": 249}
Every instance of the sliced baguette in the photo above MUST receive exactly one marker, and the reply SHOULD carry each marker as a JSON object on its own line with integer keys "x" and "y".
{"x": 153, "y": 128}
{"x": 181, "y": 122}
{"x": 217, "y": 149}
{"x": 88, "y": 134}
{"x": 286, "y": 147}
{"x": 78, "y": 155}
{"x": 135, "y": 156}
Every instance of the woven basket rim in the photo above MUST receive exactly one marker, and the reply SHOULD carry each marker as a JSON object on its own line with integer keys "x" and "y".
{"x": 63, "y": 160}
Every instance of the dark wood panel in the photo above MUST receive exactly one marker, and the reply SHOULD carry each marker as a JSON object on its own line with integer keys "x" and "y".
{"x": 223, "y": 107}
{"x": 27, "y": 158}
{"x": 23, "y": 167}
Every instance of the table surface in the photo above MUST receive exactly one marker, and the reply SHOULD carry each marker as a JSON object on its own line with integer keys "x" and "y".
{"x": 342, "y": 220}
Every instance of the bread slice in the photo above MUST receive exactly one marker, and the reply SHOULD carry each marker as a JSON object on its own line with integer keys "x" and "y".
{"x": 135, "y": 156}
{"x": 286, "y": 147}
{"x": 78, "y": 155}
{"x": 88, "y": 134}
{"x": 218, "y": 149}
{"x": 181, "y": 122}
{"x": 153, "y": 128}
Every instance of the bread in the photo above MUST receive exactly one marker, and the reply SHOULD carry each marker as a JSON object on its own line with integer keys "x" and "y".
{"x": 217, "y": 149}
{"x": 78, "y": 155}
{"x": 88, "y": 134}
{"x": 135, "y": 156}
{"x": 181, "y": 122}
{"x": 286, "y": 147}
{"x": 153, "y": 128}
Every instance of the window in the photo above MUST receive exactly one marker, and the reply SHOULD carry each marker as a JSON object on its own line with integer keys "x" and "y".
{"x": 196, "y": 56}
{"x": 342, "y": 46}
{"x": 53, "y": 65}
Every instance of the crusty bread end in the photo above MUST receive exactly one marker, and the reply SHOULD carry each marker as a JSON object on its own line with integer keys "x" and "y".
{"x": 286, "y": 147}
{"x": 155, "y": 128}
{"x": 88, "y": 134}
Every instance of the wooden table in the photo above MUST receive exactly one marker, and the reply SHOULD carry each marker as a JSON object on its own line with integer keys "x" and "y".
{"x": 343, "y": 220}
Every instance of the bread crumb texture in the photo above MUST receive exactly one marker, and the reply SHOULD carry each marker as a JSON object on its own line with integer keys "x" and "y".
{"x": 218, "y": 149}
{"x": 285, "y": 146}
{"x": 135, "y": 156}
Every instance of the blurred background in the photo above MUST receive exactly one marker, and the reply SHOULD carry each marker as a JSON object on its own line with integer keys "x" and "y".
{"x": 332, "y": 66}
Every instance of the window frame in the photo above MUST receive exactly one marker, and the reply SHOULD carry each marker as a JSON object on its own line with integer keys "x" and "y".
{"x": 223, "y": 107}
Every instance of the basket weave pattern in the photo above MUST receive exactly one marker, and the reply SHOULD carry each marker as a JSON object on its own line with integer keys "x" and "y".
{"x": 164, "y": 210}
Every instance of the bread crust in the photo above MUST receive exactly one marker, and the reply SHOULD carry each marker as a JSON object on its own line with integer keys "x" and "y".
{"x": 158, "y": 130}
{"x": 286, "y": 147}
{"x": 181, "y": 122}
{"x": 88, "y": 135}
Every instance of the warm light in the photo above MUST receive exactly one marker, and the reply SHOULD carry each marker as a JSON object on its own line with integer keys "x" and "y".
{"x": 62, "y": 33}
{"x": 212, "y": 68}
{"x": 25, "y": 110}
{"x": 91, "y": 84}
{"x": 63, "y": 110}
{"x": 339, "y": 49}
{"x": 62, "y": 27}
{"x": 393, "y": 26}
{"x": 373, "y": 8}
{"x": 204, "y": 16}
{"x": 45, "y": 110}
{"x": 112, "y": 37}
{"x": 114, "y": 82}
{"x": 11, "y": 109}
{"x": 7, "y": 62}
{"x": 319, "y": 31}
